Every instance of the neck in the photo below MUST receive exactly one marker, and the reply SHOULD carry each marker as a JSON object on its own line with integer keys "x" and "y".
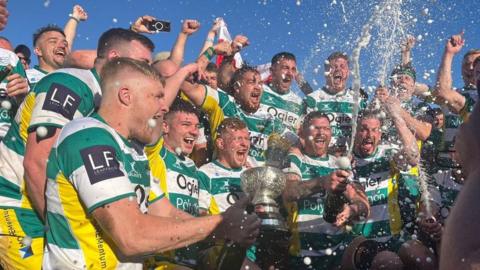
{"x": 311, "y": 152}
{"x": 222, "y": 160}
{"x": 44, "y": 66}
{"x": 334, "y": 90}
{"x": 168, "y": 145}
{"x": 111, "y": 114}
{"x": 98, "y": 65}
{"x": 277, "y": 89}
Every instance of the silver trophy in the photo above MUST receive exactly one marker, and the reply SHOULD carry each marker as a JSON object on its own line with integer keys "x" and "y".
{"x": 266, "y": 183}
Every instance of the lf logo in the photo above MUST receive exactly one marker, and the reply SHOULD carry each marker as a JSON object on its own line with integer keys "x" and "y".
{"x": 100, "y": 163}
{"x": 62, "y": 100}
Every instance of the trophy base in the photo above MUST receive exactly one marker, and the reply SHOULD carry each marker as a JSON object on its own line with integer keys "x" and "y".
{"x": 270, "y": 217}
{"x": 272, "y": 247}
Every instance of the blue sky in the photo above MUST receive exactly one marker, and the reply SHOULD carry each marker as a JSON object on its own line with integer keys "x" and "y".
{"x": 310, "y": 29}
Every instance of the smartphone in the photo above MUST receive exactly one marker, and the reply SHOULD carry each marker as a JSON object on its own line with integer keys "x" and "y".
{"x": 159, "y": 26}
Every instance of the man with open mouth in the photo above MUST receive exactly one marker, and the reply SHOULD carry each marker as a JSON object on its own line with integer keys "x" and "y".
{"x": 245, "y": 104}
{"x": 383, "y": 170}
{"x": 180, "y": 184}
{"x": 312, "y": 173}
{"x": 221, "y": 177}
{"x": 278, "y": 99}
{"x": 335, "y": 100}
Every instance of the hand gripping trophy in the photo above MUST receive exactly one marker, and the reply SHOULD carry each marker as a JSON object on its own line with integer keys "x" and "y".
{"x": 264, "y": 185}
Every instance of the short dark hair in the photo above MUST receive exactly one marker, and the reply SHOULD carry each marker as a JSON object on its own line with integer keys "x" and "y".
{"x": 43, "y": 30}
{"x": 434, "y": 112}
{"x": 180, "y": 105}
{"x": 283, "y": 55}
{"x": 230, "y": 123}
{"x": 238, "y": 74}
{"x": 338, "y": 54}
{"x": 405, "y": 69}
{"x": 115, "y": 36}
{"x": 211, "y": 67}
{"x": 370, "y": 114}
{"x": 312, "y": 115}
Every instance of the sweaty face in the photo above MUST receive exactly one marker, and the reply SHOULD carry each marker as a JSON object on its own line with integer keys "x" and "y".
{"x": 181, "y": 130}
{"x": 149, "y": 107}
{"x": 318, "y": 136}
{"x": 248, "y": 91}
{"x": 52, "y": 47}
{"x": 283, "y": 73}
{"x": 338, "y": 72}
{"x": 211, "y": 78}
{"x": 368, "y": 136}
{"x": 467, "y": 69}
{"x": 403, "y": 86}
{"x": 233, "y": 146}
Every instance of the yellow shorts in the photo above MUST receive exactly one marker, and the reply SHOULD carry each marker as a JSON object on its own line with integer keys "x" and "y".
{"x": 16, "y": 250}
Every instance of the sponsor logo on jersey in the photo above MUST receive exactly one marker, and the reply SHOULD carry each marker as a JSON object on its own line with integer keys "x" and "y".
{"x": 101, "y": 163}
{"x": 191, "y": 185}
{"x": 62, "y": 100}
{"x": 286, "y": 116}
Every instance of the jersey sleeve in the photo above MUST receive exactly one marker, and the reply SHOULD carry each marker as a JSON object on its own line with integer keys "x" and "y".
{"x": 205, "y": 195}
{"x": 468, "y": 107}
{"x": 295, "y": 165}
{"x": 158, "y": 170}
{"x": 59, "y": 98}
{"x": 92, "y": 161}
{"x": 213, "y": 105}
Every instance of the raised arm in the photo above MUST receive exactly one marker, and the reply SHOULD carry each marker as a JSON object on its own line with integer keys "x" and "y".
{"x": 406, "y": 49}
{"x": 209, "y": 41}
{"x": 70, "y": 29}
{"x": 188, "y": 28}
{"x": 444, "y": 92}
{"x": 409, "y": 154}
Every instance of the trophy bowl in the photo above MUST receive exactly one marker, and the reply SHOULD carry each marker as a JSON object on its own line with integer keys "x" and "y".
{"x": 263, "y": 184}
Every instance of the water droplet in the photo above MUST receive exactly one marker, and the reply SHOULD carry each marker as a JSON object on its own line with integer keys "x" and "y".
{"x": 41, "y": 131}
{"x": 152, "y": 122}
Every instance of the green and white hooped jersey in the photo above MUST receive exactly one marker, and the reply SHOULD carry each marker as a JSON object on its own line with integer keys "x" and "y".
{"x": 219, "y": 105}
{"x": 57, "y": 99}
{"x": 286, "y": 107}
{"x": 222, "y": 187}
{"x": 312, "y": 236}
{"x": 338, "y": 108}
{"x": 34, "y": 75}
{"x": 222, "y": 190}
{"x": 90, "y": 165}
{"x": 182, "y": 187}
{"x": 8, "y": 58}
{"x": 392, "y": 195}
{"x": 444, "y": 190}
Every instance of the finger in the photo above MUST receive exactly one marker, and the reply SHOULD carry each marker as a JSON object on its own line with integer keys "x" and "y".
{"x": 148, "y": 18}
{"x": 13, "y": 77}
